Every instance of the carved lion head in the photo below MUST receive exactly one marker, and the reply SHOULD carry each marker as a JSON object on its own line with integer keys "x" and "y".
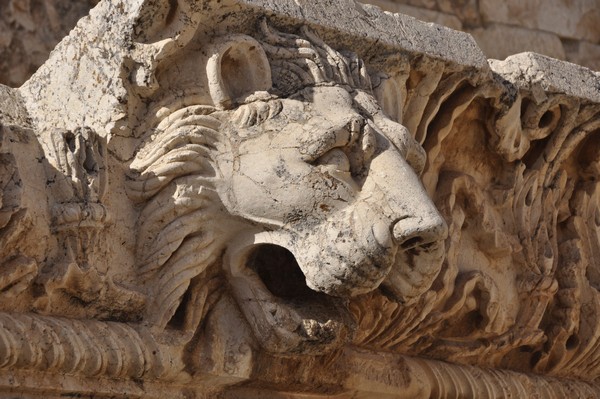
{"x": 295, "y": 182}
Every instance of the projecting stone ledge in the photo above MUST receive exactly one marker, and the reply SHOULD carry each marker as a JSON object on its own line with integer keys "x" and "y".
{"x": 245, "y": 198}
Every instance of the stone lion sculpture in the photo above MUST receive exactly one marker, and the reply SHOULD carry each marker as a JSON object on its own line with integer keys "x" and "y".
{"x": 293, "y": 184}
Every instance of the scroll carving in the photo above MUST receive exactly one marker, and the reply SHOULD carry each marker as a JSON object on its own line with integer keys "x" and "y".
{"x": 523, "y": 217}
{"x": 79, "y": 219}
{"x": 17, "y": 270}
{"x": 17, "y": 267}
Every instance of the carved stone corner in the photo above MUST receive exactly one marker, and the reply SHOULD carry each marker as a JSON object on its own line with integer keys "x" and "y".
{"x": 247, "y": 199}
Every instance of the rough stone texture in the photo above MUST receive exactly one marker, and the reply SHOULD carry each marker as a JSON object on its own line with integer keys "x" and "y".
{"x": 583, "y": 53}
{"x": 449, "y": 20}
{"x": 509, "y": 40}
{"x": 574, "y": 19}
{"x": 466, "y": 10}
{"x": 30, "y": 29}
{"x": 504, "y": 28}
{"x": 280, "y": 198}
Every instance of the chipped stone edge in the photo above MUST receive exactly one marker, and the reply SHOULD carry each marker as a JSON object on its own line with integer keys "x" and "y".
{"x": 528, "y": 70}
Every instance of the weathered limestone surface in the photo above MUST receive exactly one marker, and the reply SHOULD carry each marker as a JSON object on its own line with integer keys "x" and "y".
{"x": 30, "y": 29}
{"x": 568, "y": 30}
{"x": 509, "y": 40}
{"x": 583, "y": 53}
{"x": 293, "y": 199}
{"x": 574, "y": 19}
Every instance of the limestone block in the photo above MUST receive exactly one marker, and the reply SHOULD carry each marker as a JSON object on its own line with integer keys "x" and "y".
{"x": 583, "y": 53}
{"x": 536, "y": 72}
{"x": 499, "y": 41}
{"x": 575, "y": 19}
{"x": 423, "y": 14}
{"x": 429, "y": 4}
{"x": 466, "y": 10}
{"x": 29, "y": 30}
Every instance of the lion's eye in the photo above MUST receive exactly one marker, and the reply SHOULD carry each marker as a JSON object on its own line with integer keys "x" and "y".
{"x": 334, "y": 160}
{"x": 336, "y": 164}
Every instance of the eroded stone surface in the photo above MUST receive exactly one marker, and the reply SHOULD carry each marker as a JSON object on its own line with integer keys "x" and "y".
{"x": 30, "y": 29}
{"x": 233, "y": 199}
{"x": 561, "y": 29}
{"x": 509, "y": 40}
{"x": 576, "y": 19}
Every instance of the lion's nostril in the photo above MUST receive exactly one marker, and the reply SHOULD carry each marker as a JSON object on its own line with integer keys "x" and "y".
{"x": 412, "y": 232}
{"x": 411, "y": 243}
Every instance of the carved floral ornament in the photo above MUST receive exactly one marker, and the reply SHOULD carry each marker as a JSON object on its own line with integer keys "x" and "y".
{"x": 242, "y": 198}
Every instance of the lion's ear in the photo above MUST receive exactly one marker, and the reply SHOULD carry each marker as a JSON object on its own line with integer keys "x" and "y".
{"x": 237, "y": 67}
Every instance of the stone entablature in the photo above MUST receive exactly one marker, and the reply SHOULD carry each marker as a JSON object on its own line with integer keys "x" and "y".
{"x": 244, "y": 197}
{"x": 29, "y": 30}
{"x": 567, "y": 30}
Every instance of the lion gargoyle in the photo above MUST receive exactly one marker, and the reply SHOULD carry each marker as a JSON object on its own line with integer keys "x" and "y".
{"x": 293, "y": 180}
{"x": 267, "y": 177}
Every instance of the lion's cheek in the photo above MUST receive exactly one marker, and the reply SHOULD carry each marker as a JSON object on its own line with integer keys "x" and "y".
{"x": 278, "y": 189}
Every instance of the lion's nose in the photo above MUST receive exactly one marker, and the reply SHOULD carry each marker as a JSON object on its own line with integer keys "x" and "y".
{"x": 411, "y": 232}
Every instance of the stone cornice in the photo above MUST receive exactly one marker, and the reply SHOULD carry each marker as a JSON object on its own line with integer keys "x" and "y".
{"x": 232, "y": 197}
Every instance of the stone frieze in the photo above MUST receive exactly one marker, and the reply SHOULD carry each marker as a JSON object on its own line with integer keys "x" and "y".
{"x": 245, "y": 198}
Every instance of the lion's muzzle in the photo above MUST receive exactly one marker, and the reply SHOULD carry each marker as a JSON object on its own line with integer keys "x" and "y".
{"x": 353, "y": 251}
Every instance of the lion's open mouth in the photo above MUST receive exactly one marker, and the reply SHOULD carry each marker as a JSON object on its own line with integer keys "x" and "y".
{"x": 285, "y": 314}
{"x": 279, "y": 271}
